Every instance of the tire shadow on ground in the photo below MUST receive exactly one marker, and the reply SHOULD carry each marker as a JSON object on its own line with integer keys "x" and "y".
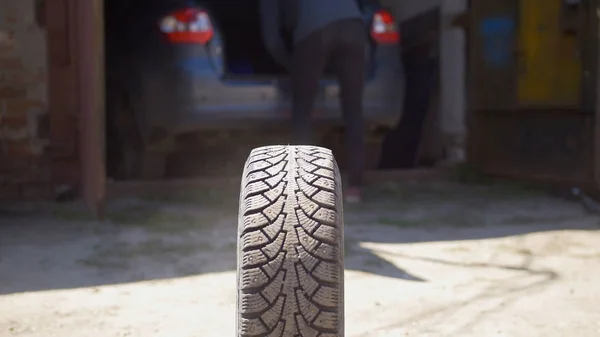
{"x": 409, "y": 213}
{"x": 45, "y": 247}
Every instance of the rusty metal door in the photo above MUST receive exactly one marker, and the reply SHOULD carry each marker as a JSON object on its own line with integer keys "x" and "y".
{"x": 507, "y": 135}
{"x": 550, "y": 62}
{"x": 492, "y": 55}
{"x": 76, "y": 96}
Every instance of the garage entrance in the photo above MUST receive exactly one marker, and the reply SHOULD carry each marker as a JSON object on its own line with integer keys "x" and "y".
{"x": 242, "y": 85}
{"x": 75, "y": 94}
{"x": 189, "y": 93}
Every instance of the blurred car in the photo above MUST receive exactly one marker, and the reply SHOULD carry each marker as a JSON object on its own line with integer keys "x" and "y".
{"x": 178, "y": 67}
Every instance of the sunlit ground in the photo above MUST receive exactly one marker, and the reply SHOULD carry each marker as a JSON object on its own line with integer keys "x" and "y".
{"x": 422, "y": 260}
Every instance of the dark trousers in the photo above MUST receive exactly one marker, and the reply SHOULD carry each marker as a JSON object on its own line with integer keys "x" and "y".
{"x": 419, "y": 56}
{"x": 401, "y": 145}
{"x": 341, "y": 45}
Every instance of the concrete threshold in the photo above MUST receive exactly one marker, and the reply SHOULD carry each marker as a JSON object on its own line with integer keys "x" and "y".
{"x": 120, "y": 189}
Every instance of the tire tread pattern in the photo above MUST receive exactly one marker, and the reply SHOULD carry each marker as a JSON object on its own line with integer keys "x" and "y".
{"x": 290, "y": 244}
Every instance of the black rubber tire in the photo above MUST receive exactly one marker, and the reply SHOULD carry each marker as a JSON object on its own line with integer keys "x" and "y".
{"x": 290, "y": 270}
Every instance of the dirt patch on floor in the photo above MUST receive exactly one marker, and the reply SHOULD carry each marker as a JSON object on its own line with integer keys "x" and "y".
{"x": 437, "y": 259}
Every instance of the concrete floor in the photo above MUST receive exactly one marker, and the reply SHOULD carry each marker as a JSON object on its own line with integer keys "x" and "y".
{"x": 422, "y": 259}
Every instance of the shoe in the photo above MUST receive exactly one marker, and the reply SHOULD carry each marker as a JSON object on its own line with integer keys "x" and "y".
{"x": 353, "y": 195}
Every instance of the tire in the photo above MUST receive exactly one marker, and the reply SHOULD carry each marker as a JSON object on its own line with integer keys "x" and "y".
{"x": 290, "y": 269}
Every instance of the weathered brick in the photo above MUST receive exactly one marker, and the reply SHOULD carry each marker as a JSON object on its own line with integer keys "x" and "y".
{"x": 23, "y": 77}
{"x": 36, "y": 191}
{"x": 14, "y": 134}
{"x": 22, "y": 105}
{"x": 12, "y": 19}
{"x": 12, "y": 92}
{"x": 25, "y": 175}
{"x": 17, "y": 149}
{"x": 14, "y": 120}
{"x": 11, "y": 63}
{"x": 7, "y": 42}
{"x": 6, "y": 49}
{"x": 14, "y": 164}
{"x": 43, "y": 126}
{"x": 9, "y": 191}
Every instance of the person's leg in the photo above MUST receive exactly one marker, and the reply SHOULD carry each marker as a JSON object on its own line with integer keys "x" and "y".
{"x": 419, "y": 57}
{"x": 422, "y": 76}
{"x": 308, "y": 64}
{"x": 349, "y": 61}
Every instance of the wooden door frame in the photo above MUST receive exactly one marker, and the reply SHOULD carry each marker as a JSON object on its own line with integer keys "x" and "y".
{"x": 63, "y": 98}
{"x": 595, "y": 70}
{"x": 75, "y": 44}
{"x": 92, "y": 103}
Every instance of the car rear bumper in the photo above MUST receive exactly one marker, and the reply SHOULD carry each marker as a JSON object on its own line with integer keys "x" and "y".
{"x": 188, "y": 96}
{"x": 205, "y": 118}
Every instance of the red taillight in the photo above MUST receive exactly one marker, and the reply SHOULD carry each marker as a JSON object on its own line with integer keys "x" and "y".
{"x": 188, "y": 25}
{"x": 383, "y": 29}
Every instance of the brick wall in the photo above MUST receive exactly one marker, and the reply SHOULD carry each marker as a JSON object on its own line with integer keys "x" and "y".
{"x": 23, "y": 101}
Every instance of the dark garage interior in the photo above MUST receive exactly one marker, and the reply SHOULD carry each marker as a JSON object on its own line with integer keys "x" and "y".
{"x": 131, "y": 44}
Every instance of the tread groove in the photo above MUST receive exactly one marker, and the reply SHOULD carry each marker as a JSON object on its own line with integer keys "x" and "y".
{"x": 290, "y": 244}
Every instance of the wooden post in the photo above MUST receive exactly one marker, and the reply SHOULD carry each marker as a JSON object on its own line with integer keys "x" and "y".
{"x": 595, "y": 22}
{"x": 92, "y": 139}
{"x": 453, "y": 80}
